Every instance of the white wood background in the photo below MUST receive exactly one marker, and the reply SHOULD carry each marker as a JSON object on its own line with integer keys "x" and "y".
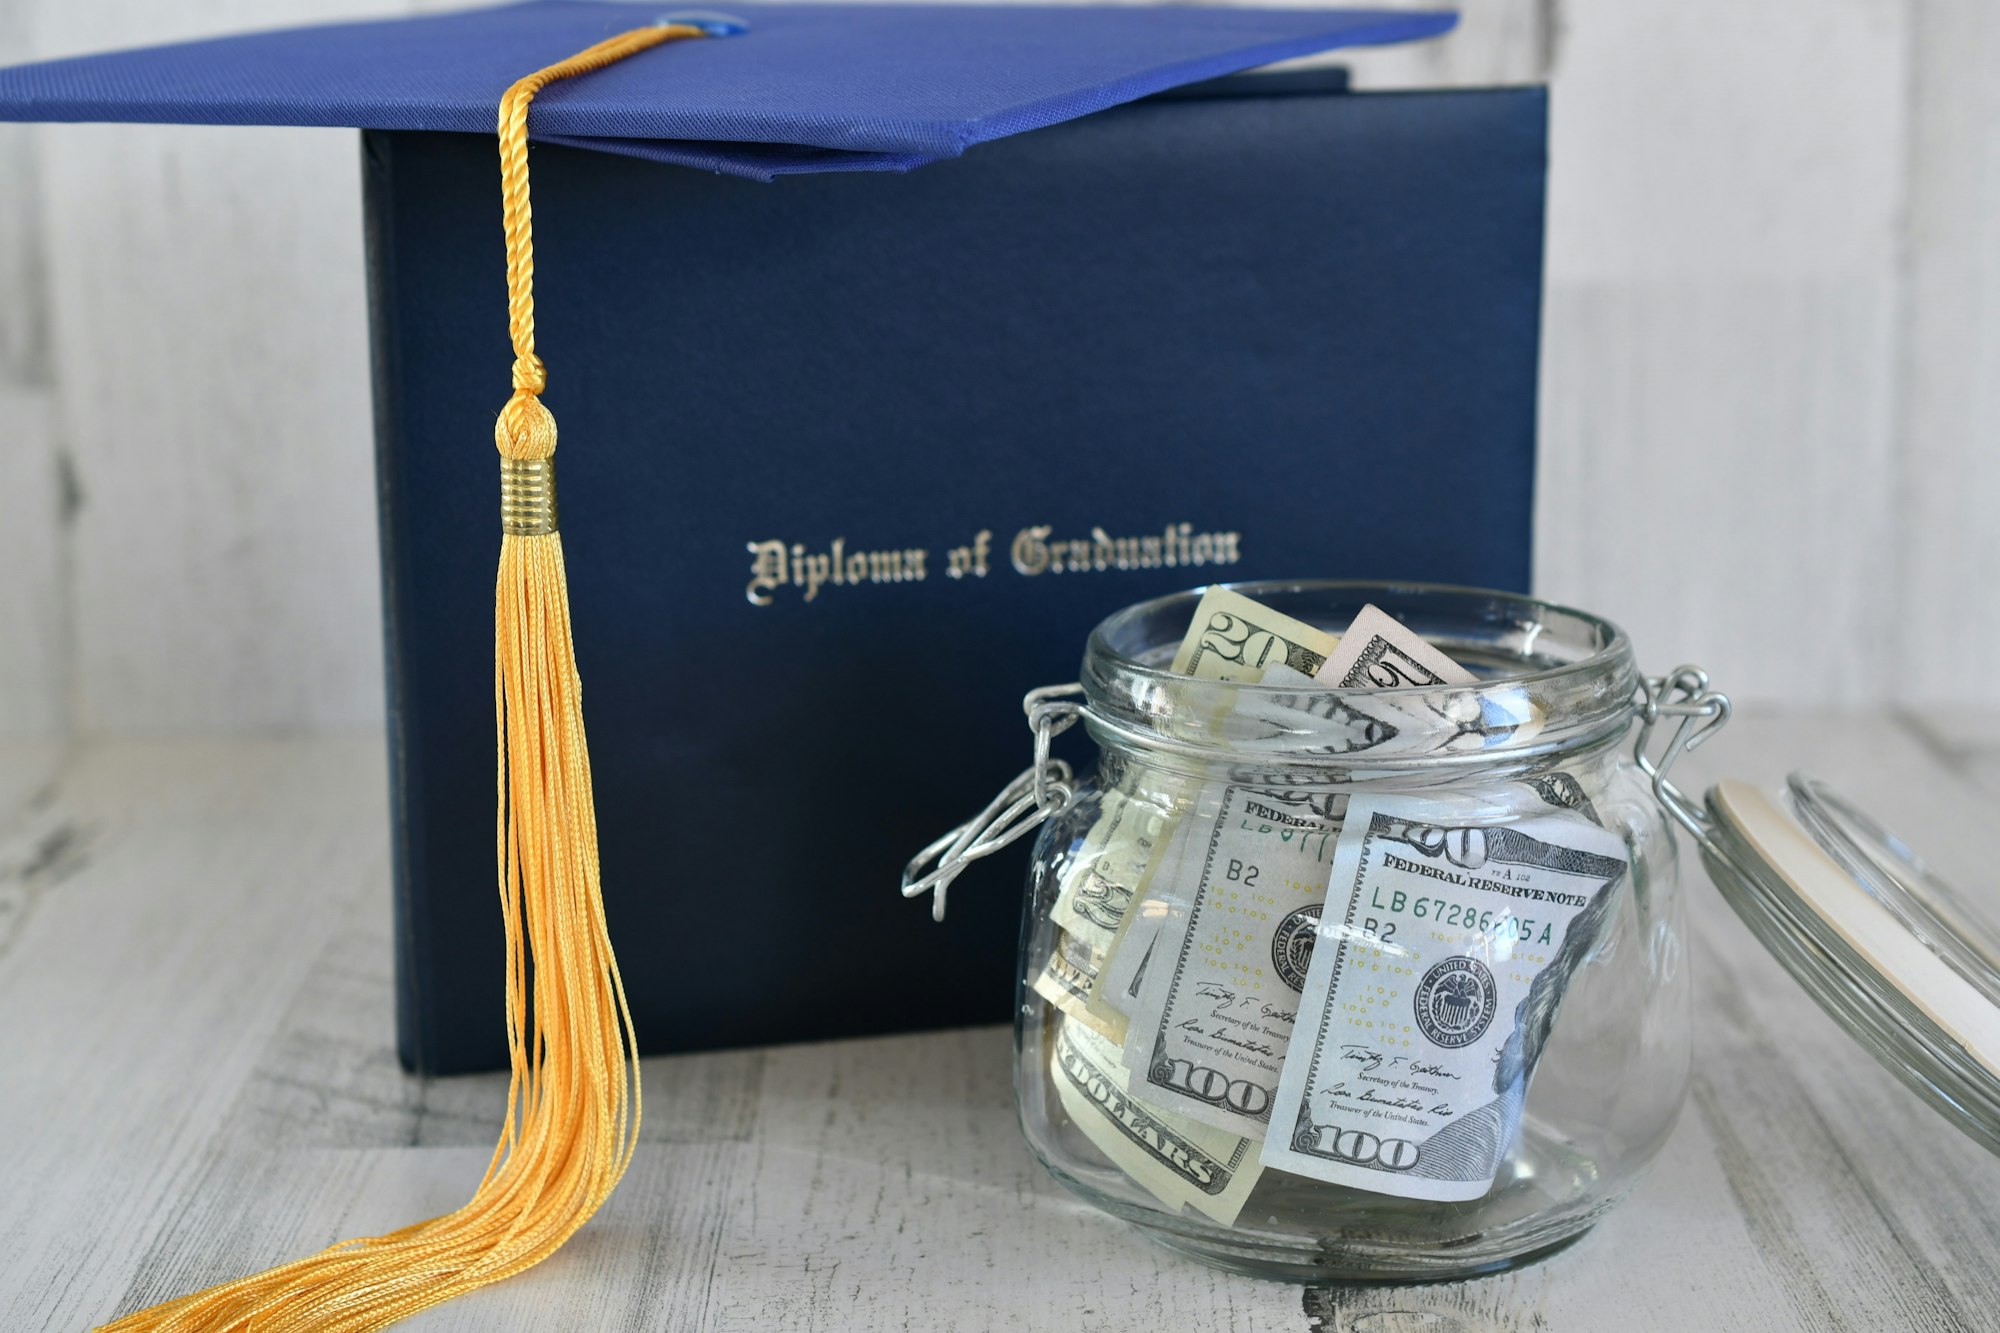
{"x": 1772, "y": 363}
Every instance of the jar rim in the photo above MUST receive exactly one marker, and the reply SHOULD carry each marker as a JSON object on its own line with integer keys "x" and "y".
{"x": 1616, "y": 642}
{"x": 1581, "y": 675}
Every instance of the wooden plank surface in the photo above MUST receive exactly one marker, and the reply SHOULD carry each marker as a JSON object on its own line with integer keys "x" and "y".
{"x": 194, "y": 965}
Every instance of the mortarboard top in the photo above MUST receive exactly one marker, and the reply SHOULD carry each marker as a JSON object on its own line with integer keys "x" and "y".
{"x": 805, "y": 88}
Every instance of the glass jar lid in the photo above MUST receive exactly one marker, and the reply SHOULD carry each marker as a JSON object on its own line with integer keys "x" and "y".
{"x": 1898, "y": 958}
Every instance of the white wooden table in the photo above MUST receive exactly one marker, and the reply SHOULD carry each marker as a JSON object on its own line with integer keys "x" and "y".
{"x": 196, "y": 1079}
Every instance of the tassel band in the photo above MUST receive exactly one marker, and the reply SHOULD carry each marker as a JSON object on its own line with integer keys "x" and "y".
{"x": 527, "y": 496}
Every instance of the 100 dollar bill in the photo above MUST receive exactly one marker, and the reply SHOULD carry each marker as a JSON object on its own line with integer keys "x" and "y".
{"x": 1208, "y": 1036}
{"x": 1444, "y": 950}
{"x": 1175, "y": 1160}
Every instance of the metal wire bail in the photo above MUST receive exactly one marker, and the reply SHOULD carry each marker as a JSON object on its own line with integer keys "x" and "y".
{"x": 1702, "y": 712}
{"x": 1043, "y": 790}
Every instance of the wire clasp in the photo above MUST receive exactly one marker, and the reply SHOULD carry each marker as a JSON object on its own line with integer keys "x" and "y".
{"x": 1702, "y": 712}
{"x": 1043, "y": 790}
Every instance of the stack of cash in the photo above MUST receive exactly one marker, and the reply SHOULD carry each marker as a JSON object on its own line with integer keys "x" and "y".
{"x": 1352, "y": 988}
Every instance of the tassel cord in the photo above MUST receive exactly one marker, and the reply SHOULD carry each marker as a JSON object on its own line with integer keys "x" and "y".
{"x": 573, "y": 1095}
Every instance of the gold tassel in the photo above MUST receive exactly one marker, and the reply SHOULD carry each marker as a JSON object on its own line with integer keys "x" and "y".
{"x": 573, "y": 1101}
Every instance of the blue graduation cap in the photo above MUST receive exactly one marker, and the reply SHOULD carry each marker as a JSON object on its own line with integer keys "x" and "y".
{"x": 795, "y": 88}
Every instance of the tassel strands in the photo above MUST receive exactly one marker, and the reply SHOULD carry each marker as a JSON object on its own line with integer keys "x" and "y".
{"x": 573, "y": 1100}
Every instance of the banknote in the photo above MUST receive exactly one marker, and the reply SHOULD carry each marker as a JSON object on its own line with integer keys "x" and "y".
{"x": 1439, "y": 966}
{"x": 1562, "y": 791}
{"x": 1378, "y": 653}
{"x": 1234, "y": 638}
{"x": 1110, "y": 865}
{"x": 1310, "y": 718}
{"x": 1208, "y": 1035}
{"x": 1115, "y": 996}
{"x": 1229, "y": 637}
{"x": 1173, "y": 1159}
{"x": 1067, "y": 978}
{"x": 1116, "y": 989}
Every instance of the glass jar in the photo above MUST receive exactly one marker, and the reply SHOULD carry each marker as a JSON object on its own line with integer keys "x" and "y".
{"x": 1587, "y": 1073}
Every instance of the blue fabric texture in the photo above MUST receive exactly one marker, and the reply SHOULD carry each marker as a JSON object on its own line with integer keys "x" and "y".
{"x": 807, "y": 88}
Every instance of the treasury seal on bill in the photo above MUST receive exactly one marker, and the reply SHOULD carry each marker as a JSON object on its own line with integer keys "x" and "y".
{"x": 1454, "y": 1002}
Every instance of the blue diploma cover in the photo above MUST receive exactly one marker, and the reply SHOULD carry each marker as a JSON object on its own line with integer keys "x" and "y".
{"x": 851, "y": 462}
